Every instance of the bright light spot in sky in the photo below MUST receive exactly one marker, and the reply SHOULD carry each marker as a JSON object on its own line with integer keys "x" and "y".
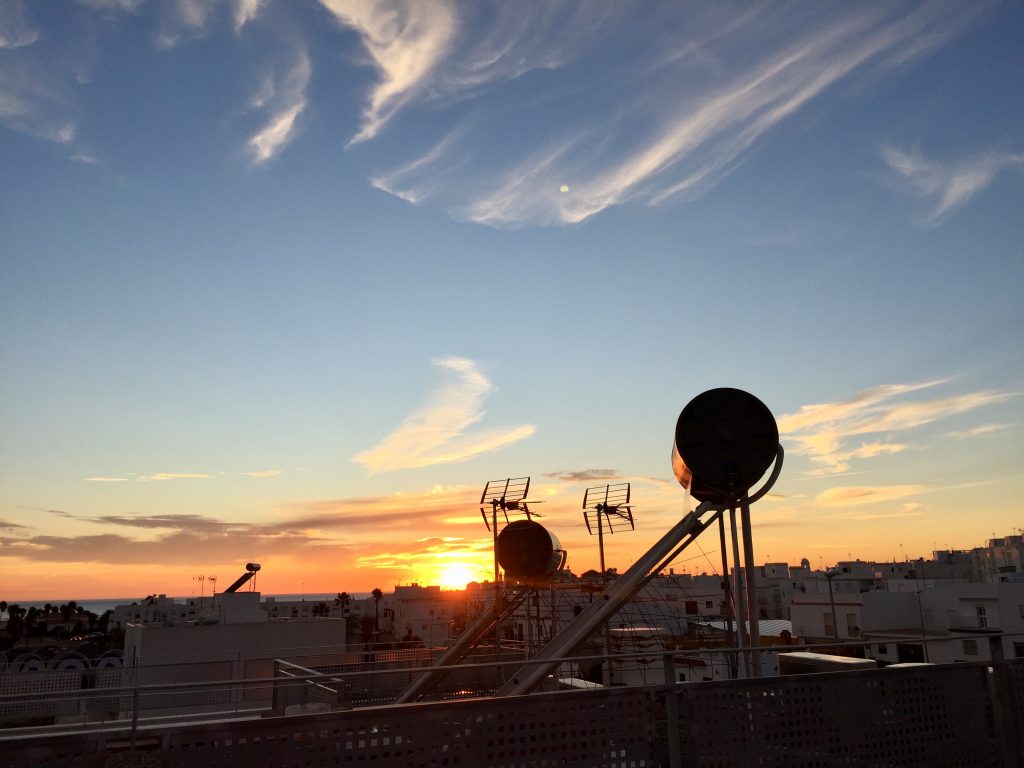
{"x": 564, "y": 188}
{"x": 457, "y": 575}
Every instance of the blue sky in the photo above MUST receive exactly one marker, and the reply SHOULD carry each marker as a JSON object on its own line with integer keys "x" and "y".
{"x": 290, "y": 281}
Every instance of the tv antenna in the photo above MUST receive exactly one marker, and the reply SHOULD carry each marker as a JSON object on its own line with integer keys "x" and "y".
{"x": 507, "y": 495}
{"x": 607, "y": 506}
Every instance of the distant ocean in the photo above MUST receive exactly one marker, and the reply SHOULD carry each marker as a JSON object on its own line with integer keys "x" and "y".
{"x": 99, "y": 607}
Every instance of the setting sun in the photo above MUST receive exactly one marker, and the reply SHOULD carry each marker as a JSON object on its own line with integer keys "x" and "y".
{"x": 457, "y": 575}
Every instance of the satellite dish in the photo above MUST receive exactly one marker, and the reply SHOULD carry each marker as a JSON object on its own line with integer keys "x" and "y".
{"x": 725, "y": 440}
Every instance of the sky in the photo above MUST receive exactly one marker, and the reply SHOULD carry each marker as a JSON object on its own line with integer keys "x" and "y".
{"x": 290, "y": 282}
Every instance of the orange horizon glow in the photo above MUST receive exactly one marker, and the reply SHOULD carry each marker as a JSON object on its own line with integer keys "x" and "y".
{"x": 379, "y": 544}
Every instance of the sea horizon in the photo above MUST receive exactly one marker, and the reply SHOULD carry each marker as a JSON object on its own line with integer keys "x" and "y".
{"x": 101, "y": 605}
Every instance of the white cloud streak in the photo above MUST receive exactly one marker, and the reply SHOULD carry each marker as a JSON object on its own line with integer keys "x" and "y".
{"x": 948, "y": 186}
{"x": 184, "y": 20}
{"x": 287, "y": 101}
{"x": 246, "y": 11}
{"x": 438, "y": 432}
{"x": 128, "y": 6}
{"x": 983, "y": 430}
{"x": 823, "y": 431}
{"x": 405, "y": 40}
{"x": 15, "y": 31}
{"x": 635, "y": 149}
{"x": 849, "y": 496}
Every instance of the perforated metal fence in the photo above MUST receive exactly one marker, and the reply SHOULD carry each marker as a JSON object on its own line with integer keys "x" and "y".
{"x": 912, "y": 717}
{"x": 943, "y": 716}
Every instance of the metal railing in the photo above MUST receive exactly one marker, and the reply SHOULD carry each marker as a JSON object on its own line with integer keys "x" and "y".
{"x": 947, "y": 715}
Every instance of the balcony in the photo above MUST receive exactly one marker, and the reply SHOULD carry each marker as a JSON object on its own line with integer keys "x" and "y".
{"x": 936, "y": 716}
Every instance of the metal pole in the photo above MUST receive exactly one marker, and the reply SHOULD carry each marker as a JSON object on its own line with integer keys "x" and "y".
{"x": 924, "y": 637}
{"x": 494, "y": 536}
{"x": 829, "y": 575}
{"x": 458, "y": 650}
{"x": 675, "y": 756}
{"x": 604, "y": 585}
{"x": 752, "y": 613}
{"x": 729, "y": 633}
{"x": 741, "y": 609}
{"x": 598, "y": 612}
{"x": 135, "y": 718}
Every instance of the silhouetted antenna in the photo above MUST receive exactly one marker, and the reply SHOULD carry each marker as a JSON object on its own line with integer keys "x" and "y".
{"x": 507, "y": 495}
{"x": 607, "y": 506}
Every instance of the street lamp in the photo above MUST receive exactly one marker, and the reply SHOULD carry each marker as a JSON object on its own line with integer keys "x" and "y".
{"x": 829, "y": 575}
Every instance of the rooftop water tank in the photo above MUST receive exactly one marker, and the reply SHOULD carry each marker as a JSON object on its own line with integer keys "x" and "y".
{"x": 725, "y": 440}
{"x": 528, "y": 552}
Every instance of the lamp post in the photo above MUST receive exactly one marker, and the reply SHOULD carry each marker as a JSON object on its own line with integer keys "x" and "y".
{"x": 829, "y": 575}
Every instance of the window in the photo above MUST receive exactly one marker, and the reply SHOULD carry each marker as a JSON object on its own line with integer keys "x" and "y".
{"x": 830, "y": 624}
{"x": 970, "y": 646}
{"x": 883, "y": 649}
{"x": 708, "y": 604}
{"x": 851, "y": 625}
{"x": 982, "y": 617}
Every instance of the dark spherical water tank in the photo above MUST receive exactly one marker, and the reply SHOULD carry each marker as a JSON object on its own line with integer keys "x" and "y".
{"x": 725, "y": 441}
{"x": 528, "y": 552}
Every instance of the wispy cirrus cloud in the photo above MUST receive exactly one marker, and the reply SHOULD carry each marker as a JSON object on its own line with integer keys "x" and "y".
{"x": 128, "y": 6}
{"x": 983, "y": 430}
{"x": 947, "y": 186}
{"x": 284, "y": 97}
{"x": 824, "y": 431}
{"x": 583, "y": 475}
{"x": 260, "y": 474}
{"x": 246, "y": 11}
{"x": 405, "y": 40}
{"x": 440, "y": 431}
{"x": 33, "y": 99}
{"x": 848, "y": 496}
{"x": 15, "y": 30}
{"x": 649, "y": 139}
{"x": 145, "y": 478}
{"x": 183, "y": 20}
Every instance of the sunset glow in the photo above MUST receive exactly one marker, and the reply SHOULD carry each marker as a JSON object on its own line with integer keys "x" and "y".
{"x": 457, "y": 575}
{"x": 292, "y": 286}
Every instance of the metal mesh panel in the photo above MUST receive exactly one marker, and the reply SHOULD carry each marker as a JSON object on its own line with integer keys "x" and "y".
{"x": 165, "y": 700}
{"x": 1015, "y": 670}
{"x": 28, "y": 685}
{"x": 928, "y": 717}
{"x": 604, "y": 728}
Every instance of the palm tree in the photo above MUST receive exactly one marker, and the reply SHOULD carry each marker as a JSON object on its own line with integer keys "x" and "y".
{"x": 343, "y": 599}
{"x": 31, "y": 619}
{"x": 377, "y": 595}
{"x": 15, "y": 623}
